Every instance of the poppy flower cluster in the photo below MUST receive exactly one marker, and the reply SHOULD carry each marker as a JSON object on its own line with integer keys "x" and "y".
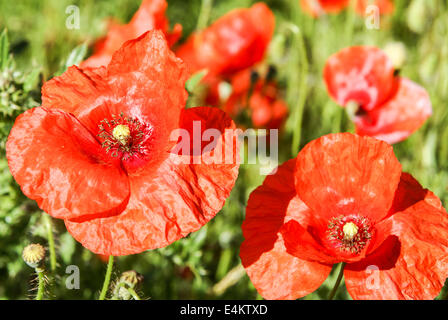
{"x": 386, "y": 106}
{"x": 150, "y": 16}
{"x": 319, "y": 7}
{"x": 98, "y": 153}
{"x": 345, "y": 199}
{"x": 229, "y": 49}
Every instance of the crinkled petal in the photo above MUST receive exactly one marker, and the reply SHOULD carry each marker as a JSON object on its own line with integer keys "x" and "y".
{"x": 150, "y": 16}
{"x": 413, "y": 262}
{"x": 275, "y": 273}
{"x": 361, "y": 74}
{"x": 58, "y": 163}
{"x": 399, "y": 116}
{"x": 147, "y": 74}
{"x": 300, "y": 243}
{"x": 341, "y": 174}
{"x": 166, "y": 204}
{"x": 75, "y": 90}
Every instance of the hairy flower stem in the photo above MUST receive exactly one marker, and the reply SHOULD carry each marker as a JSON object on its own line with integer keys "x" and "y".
{"x": 297, "y": 79}
{"x": 338, "y": 282}
{"x": 204, "y": 14}
{"x": 41, "y": 284}
{"x": 51, "y": 246}
{"x": 133, "y": 294}
{"x": 110, "y": 265}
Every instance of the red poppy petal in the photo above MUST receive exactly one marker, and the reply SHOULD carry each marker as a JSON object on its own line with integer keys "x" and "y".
{"x": 399, "y": 116}
{"x": 166, "y": 204}
{"x": 57, "y": 162}
{"x": 145, "y": 73}
{"x": 75, "y": 90}
{"x": 361, "y": 74}
{"x": 414, "y": 266}
{"x": 300, "y": 243}
{"x": 275, "y": 273}
{"x": 150, "y": 16}
{"x": 340, "y": 174}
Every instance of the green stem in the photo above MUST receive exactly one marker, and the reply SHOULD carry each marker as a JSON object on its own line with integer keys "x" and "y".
{"x": 41, "y": 285}
{"x": 338, "y": 282}
{"x": 110, "y": 265}
{"x": 350, "y": 24}
{"x": 133, "y": 294}
{"x": 297, "y": 132}
{"x": 51, "y": 242}
{"x": 204, "y": 14}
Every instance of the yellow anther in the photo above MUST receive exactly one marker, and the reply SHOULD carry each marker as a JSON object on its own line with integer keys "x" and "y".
{"x": 350, "y": 230}
{"x": 121, "y": 133}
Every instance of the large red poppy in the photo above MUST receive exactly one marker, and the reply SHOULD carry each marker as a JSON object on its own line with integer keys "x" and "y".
{"x": 150, "y": 16}
{"x": 345, "y": 199}
{"x": 319, "y": 7}
{"x": 390, "y": 108}
{"x": 232, "y": 43}
{"x": 98, "y": 153}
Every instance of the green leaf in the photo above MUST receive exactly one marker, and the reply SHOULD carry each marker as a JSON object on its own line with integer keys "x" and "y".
{"x": 31, "y": 80}
{"x": 194, "y": 80}
{"x": 74, "y": 58}
{"x": 4, "y": 49}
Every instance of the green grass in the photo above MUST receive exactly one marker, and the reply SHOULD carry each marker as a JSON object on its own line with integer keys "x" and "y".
{"x": 189, "y": 268}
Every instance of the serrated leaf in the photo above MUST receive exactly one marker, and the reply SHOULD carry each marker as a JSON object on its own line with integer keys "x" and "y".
{"x": 194, "y": 80}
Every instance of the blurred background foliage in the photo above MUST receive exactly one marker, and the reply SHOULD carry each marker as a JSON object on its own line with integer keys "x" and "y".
{"x": 206, "y": 264}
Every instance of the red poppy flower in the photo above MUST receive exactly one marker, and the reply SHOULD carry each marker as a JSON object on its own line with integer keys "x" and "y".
{"x": 98, "y": 153}
{"x": 232, "y": 43}
{"x": 319, "y": 7}
{"x": 260, "y": 99}
{"x": 390, "y": 108}
{"x": 345, "y": 199}
{"x": 384, "y": 6}
{"x": 150, "y": 15}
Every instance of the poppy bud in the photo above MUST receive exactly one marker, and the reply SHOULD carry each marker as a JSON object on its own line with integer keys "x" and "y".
{"x": 33, "y": 255}
{"x": 128, "y": 280}
{"x": 131, "y": 278}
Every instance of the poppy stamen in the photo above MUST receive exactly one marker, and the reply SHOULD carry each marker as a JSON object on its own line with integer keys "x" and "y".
{"x": 122, "y": 136}
{"x": 349, "y": 233}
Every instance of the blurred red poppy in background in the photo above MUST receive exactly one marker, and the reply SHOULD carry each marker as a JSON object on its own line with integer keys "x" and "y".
{"x": 345, "y": 199}
{"x": 259, "y": 97}
{"x": 97, "y": 153}
{"x": 229, "y": 49}
{"x": 387, "y": 107}
{"x": 150, "y": 16}
{"x": 319, "y": 7}
{"x": 384, "y": 6}
{"x": 234, "y": 42}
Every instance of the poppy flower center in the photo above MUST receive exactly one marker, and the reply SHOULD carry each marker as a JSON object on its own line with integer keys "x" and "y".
{"x": 123, "y": 137}
{"x": 350, "y": 230}
{"x": 349, "y": 233}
